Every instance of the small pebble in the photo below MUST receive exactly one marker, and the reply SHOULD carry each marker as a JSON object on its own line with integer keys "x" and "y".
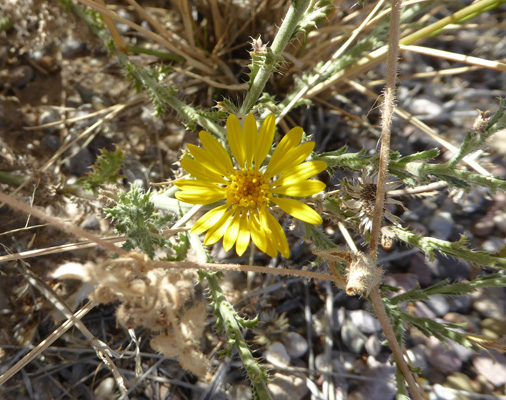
{"x": 81, "y": 162}
{"x": 373, "y": 345}
{"x": 497, "y": 327}
{"x": 484, "y": 227}
{"x": 460, "y": 304}
{"x": 441, "y": 225}
{"x": 426, "y": 106}
{"x": 20, "y": 76}
{"x": 490, "y": 302}
{"x": 91, "y": 222}
{"x": 418, "y": 266}
{"x": 296, "y": 345}
{"x": 500, "y": 221}
{"x": 51, "y": 141}
{"x": 438, "y": 304}
{"x": 287, "y": 387}
{"x": 277, "y": 355}
{"x": 442, "y": 359}
{"x": 494, "y": 370}
{"x": 71, "y": 48}
{"x": 439, "y": 392}
{"x": 460, "y": 381}
{"x": 417, "y": 356}
{"x": 352, "y": 337}
{"x": 106, "y": 389}
{"x": 365, "y": 321}
{"x": 48, "y": 117}
{"x": 493, "y": 244}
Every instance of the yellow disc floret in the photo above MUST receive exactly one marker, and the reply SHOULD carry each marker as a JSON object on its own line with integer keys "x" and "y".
{"x": 248, "y": 189}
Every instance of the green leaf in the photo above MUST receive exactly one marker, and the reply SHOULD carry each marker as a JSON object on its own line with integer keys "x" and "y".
{"x": 135, "y": 217}
{"x": 105, "y": 170}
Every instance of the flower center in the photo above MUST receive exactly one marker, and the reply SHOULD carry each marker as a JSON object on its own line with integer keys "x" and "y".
{"x": 248, "y": 189}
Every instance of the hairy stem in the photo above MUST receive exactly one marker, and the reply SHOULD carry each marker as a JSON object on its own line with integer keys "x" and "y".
{"x": 284, "y": 35}
{"x": 386, "y": 125}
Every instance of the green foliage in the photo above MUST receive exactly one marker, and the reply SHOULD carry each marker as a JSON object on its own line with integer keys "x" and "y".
{"x": 314, "y": 14}
{"x": 136, "y": 218}
{"x": 318, "y": 237}
{"x": 105, "y": 170}
{"x": 149, "y": 79}
{"x": 229, "y": 322}
{"x": 262, "y": 58}
{"x": 443, "y": 331}
{"x": 483, "y": 128}
{"x": 340, "y": 159}
{"x": 450, "y": 289}
{"x": 180, "y": 248}
{"x": 5, "y": 23}
{"x": 428, "y": 245}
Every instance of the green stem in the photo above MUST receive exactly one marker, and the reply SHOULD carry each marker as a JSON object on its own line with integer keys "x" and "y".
{"x": 284, "y": 35}
{"x": 457, "y": 17}
{"x": 227, "y": 313}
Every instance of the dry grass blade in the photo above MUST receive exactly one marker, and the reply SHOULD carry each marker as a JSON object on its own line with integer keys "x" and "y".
{"x": 480, "y": 62}
{"x": 151, "y": 35}
{"x": 16, "y": 204}
{"x": 43, "y": 345}
{"x": 74, "y": 246}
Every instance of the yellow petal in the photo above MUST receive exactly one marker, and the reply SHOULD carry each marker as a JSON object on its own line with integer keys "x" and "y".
{"x": 208, "y": 160}
{"x": 214, "y": 147}
{"x": 278, "y": 236}
{"x": 292, "y": 157}
{"x": 199, "y": 192}
{"x": 236, "y": 139}
{"x": 199, "y": 171}
{"x": 291, "y": 140}
{"x": 257, "y": 233}
{"x": 232, "y": 232}
{"x": 264, "y": 141}
{"x": 244, "y": 235}
{"x": 300, "y": 189}
{"x": 250, "y": 138}
{"x": 300, "y": 172}
{"x": 217, "y": 231}
{"x": 209, "y": 219}
{"x": 298, "y": 210}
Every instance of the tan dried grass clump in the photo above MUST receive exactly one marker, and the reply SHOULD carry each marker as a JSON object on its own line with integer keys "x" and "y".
{"x": 155, "y": 298}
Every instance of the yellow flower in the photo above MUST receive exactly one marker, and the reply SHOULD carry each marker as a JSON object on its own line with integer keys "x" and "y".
{"x": 249, "y": 188}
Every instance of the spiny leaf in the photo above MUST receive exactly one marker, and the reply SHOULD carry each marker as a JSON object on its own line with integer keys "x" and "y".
{"x": 454, "y": 249}
{"x": 135, "y": 217}
{"x": 450, "y": 289}
{"x": 105, "y": 170}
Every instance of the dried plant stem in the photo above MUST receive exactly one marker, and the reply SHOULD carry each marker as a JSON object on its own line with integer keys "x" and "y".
{"x": 387, "y": 115}
{"x": 19, "y": 205}
{"x": 118, "y": 40}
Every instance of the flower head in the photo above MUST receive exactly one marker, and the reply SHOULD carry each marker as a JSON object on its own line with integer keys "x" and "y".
{"x": 359, "y": 196}
{"x": 248, "y": 187}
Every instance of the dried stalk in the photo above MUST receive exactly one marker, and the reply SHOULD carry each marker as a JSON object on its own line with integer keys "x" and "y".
{"x": 387, "y": 115}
